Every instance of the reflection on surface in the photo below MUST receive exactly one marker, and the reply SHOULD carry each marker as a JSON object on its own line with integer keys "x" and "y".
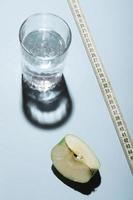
{"x": 84, "y": 188}
{"x": 47, "y": 109}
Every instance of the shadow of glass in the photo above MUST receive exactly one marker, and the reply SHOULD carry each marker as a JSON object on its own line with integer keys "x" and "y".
{"x": 84, "y": 188}
{"x": 49, "y": 109}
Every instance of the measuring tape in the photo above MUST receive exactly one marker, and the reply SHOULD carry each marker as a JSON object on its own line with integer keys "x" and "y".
{"x": 104, "y": 83}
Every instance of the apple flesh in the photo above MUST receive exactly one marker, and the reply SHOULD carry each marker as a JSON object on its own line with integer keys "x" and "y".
{"x": 74, "y": 159}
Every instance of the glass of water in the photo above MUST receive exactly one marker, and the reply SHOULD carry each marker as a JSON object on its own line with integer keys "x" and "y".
{"x": 45, "y": 40}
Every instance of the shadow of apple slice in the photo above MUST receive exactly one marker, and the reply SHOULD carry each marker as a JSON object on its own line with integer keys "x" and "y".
{"x": 84, "y": 188}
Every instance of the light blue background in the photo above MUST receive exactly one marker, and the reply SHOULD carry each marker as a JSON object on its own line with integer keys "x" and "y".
{"x": 25, "y": 164}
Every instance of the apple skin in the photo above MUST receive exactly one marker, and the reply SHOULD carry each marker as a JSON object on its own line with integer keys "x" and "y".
{"x": 74, "y": 159}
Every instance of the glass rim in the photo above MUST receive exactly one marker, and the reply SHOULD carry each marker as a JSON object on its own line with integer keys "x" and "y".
{"x": 44, "y": 14}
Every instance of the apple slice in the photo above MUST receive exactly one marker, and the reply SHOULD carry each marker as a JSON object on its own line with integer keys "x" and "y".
{"x": 74, "y": 159}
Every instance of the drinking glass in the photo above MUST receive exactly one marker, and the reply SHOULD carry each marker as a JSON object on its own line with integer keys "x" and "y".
{"x": 44, "y": 40}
